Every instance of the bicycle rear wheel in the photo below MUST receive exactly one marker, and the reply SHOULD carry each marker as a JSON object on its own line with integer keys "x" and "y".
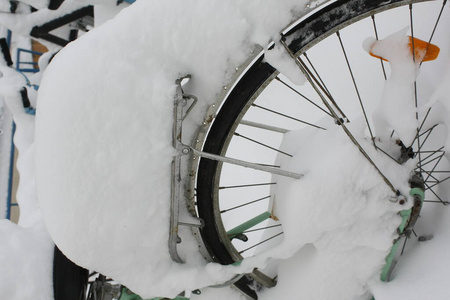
{"x": 254, "y": 115}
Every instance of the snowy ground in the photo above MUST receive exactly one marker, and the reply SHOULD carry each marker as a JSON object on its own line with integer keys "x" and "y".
{"x": 108, "y": 131}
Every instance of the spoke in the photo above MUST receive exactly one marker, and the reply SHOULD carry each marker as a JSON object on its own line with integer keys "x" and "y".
{"x": 245, "y": 185}
{"x": 436, "y": 195}
{"x": 404, "y": 245}
{"x": 388, "y": 155}
{"x": 434, "y": 201}
{"x": 424, "y": 141}
{"x": 319, "y": 88}
{"x": 432, "y": 181}
{"x": 341, "y": 123}
{"x": 430, "y": 161}
{"x": 423, "y": 163}
{"x": 420, "y": 128}
{"x": 415, "y": 82}
{"x": 264, "y": 126}
{"x": 261, "y": 144}
{"x": 435, "y": 26}
{"x": 427, "y": 131}
{"x": 266, "y": 240}
{"x": 376, "y": 36}
{"x": 432, "y": 153}
{"x": 411, "y": 24}
{"x": 262, "y": 228}
{"x": 430, "y": 174}
{"x": 317, "y": 74}
{"x": 356, "y": 87}
{"x": 303, "y": 96}
{"x": 286, "y": 116}
{"x": 439, "y": 182}
{"x": 245, "y": 204}
{"x": 439, "y": 158}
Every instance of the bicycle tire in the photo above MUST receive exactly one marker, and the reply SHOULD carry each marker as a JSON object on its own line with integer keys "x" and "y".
{"x": 69, "y": 280}
{"x": 318, "y": 25}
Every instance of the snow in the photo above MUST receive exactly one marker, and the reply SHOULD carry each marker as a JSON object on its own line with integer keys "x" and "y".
{"x": 26, "y": 254}
{"x": 104, "y": 149}
{"x": 346, "y": 223}
{"x": 281, "y": 60}
{"x": 26, "y": 258}
{"x": 104, "y": 123}
{"x": 399, "y": 89}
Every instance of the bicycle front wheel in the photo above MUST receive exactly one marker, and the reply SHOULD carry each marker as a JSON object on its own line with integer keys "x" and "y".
{"x": 263, "y": 106}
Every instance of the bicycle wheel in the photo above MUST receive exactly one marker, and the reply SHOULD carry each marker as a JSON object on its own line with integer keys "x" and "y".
{"x": 69, "y": 280}
{"x": 257, "y": 112}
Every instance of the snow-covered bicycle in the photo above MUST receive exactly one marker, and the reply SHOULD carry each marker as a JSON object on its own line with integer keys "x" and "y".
{"x": 332, "y": 193}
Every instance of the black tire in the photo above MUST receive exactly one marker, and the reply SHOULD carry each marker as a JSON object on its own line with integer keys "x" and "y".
{"x": 69, "y": 280}
{"x": 317, "y": 26}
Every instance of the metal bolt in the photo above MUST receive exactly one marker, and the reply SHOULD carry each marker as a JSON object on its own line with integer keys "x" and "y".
{"x": 185, "y": 150}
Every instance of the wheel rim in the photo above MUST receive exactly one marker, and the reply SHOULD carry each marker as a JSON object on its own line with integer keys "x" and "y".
{"x": 427, "y": 156}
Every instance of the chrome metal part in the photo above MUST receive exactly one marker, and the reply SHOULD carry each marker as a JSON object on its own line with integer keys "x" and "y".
{"x": 264, "y": 126}
{"x": 247, "y": 164}
{"x": 177, "y": 191}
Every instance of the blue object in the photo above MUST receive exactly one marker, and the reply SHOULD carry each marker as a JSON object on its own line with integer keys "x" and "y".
{"x": 30, "y": 110}
{"x": 32, "y": 63}
{"x": 8, "y": 38}
{"x": 10, "y": 180}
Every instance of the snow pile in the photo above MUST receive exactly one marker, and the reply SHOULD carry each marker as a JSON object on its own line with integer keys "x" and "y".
{"x": 338, "y": 214}
{"x": 337, "y": 221}
{"x": 103, "y": 139}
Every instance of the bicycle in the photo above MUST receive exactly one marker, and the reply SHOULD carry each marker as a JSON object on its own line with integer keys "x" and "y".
{"x": 384, "y": 154}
